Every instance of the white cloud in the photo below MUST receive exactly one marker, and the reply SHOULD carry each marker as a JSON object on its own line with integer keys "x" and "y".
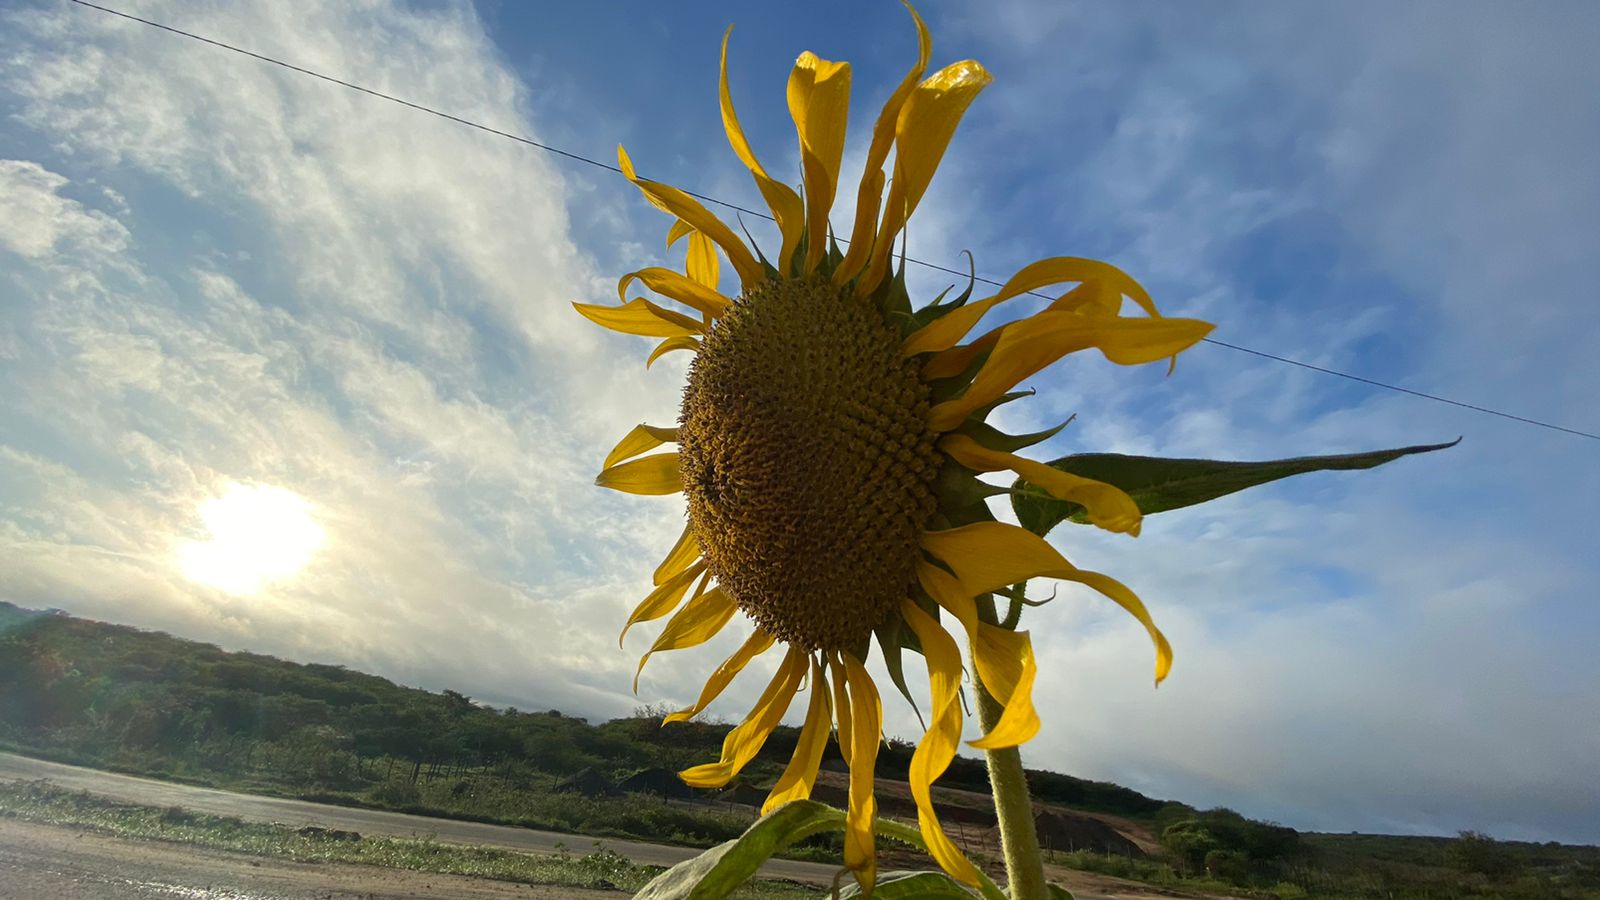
{"x": 39, "y": 220}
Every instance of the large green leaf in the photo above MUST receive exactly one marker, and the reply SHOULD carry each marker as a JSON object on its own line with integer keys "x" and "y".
{"x": 912, "y": 885}
{"x": 1158, "y": 485}
{"x": 715, "y": 873}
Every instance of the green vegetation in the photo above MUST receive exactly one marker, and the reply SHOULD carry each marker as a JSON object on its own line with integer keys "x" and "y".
{"x": 42, "y": 802}
{"x": 147, "y": 703}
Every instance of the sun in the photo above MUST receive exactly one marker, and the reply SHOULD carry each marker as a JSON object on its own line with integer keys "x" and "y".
{"x": 259, "y": 534}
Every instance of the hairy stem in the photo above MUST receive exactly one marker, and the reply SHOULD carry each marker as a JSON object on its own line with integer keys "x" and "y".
{"x": 1013, "y": 806}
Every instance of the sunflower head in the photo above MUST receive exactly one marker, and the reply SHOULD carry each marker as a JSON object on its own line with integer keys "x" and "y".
{"x": 808, "y": 462}
{"x": 832, "y": 436}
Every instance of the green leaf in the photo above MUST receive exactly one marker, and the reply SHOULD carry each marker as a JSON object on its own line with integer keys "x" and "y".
{"x": 1057, "y": 892}
{"x": 715, "y": 873}
{"x": 909, "y": 885}
{"x": 1158, "y": 485}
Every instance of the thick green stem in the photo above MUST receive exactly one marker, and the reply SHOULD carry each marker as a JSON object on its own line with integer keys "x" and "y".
{"x": 1013, "y": 806}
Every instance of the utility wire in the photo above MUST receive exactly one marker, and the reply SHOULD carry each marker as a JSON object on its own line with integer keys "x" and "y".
{"x": 578, "y": 157}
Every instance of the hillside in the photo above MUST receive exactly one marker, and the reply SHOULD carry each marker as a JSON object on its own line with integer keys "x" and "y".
{"x": 149, "y": 703}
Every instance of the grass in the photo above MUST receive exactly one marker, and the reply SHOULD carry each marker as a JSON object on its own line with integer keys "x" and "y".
{"x": 40, "y": 801}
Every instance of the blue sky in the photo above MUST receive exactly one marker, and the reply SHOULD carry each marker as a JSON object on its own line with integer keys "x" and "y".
{"x": 213, "y": 272}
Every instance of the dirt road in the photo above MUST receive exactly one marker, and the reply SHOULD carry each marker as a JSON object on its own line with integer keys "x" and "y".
{"x": 367, "y": 821}
{"x": 45, "y": 862}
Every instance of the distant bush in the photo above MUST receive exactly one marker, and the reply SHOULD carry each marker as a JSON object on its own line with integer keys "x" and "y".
{"x": 1478, "y": 853}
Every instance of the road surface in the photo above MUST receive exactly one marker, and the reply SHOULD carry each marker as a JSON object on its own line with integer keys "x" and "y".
{"x": 47, "y": 862}
{"x": 253, "y": 808}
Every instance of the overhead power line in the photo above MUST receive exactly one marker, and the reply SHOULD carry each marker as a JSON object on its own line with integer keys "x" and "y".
{"x": 578, "y": 157}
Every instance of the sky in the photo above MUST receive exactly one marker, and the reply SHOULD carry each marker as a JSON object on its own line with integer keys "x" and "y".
{"x": 221, "y": 279}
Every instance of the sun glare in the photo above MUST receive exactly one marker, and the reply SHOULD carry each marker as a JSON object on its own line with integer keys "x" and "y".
{"x": 259, "y": 534}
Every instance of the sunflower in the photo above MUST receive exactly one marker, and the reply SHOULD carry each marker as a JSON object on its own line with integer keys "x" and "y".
{"x": 830, "y": 440}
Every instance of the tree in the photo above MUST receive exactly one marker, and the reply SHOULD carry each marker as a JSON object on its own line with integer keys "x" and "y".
{"x": 1474, "y": 851}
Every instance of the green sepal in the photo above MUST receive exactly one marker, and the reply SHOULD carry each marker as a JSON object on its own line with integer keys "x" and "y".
{"x": 942, "y": 389}
{"x": 891, "y": 640}
{"x": 982, "y": 412}
{"x": 958, "y": 488}
{"x": 717, "y": 872}
{"x": 994, "y": 439}
{"x": 1158, "y": 485}
{"x": 937, "y": 309}
{"x": 912, "y": 886}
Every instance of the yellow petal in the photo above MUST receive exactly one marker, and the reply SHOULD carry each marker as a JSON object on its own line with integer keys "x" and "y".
{"x": 841, "y": 706}
{"x": 744, "y": 742}
{"x": 949, "y": 594}
{"x": 702, "y": 264}
{"x": 671, "y": 200}
{"x": 945, "y": 331}
{"x": 669, "y": 345}
{"x": 785, "y": 204}
{"x": 1108, "y": 506}
{"x": 699, "y": 621}
{"x": 938, "y": 746}
{"x": 801, "y": 773}
{"x": 1007, "y": 658}
{"x": 1027, "y": 346}
{"x": 998, "y": 678}
{"x": 986, "y": 556}
{"x": 663, "y": 599}
{"x": 923, "y": 131}
{"x": 682, "y": 554}
{"x": 866, "y": 714}
{"x": 679, "y": 229}
{"x": 819, "y": 103}
{"x": 1095, "y": 299}
{"x": 637, "y": 441}
{"x": 870, "y": 193}
{"x": 640, "y": 316}
{"x": 650, "y": 476}
{"x": 677, "y": 286}
{"x": 754, "y": 646}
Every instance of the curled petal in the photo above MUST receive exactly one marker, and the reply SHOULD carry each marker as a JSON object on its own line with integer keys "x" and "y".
{"x": 637, "y": 441}
{"x": 1027, "y": 346}
{"x": 986, "y": 556}
{"x": 944, "y": 332}
{"x": 671, "y": 344}
{"x": 744, "y": 742}
{"x": 663, "y": 599}
{"x": 754, "y": 646}
{"x": 651, "y": 476}
{"x": 926, "y": 124}
{"x": 679, "y": 287}
{"x": 1007, "y": 659}
{"x": 785, "y": 204}
{"x": 800, "y": 775}
{"x": 679, "y": 229}
{"x": 819, "y": 102}
{"x": 682, "y": 554}
{"x": 699, "y": 621}
{"x": 1108, "y": 505}
{"x": 938, "y": 746}
{"x": 640, "y": 316}
{"x": 671, "y": 200}
{"x": 866, "y": 714}
{"x": 870, "y": 194}
{"x": 702, "y": 264}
